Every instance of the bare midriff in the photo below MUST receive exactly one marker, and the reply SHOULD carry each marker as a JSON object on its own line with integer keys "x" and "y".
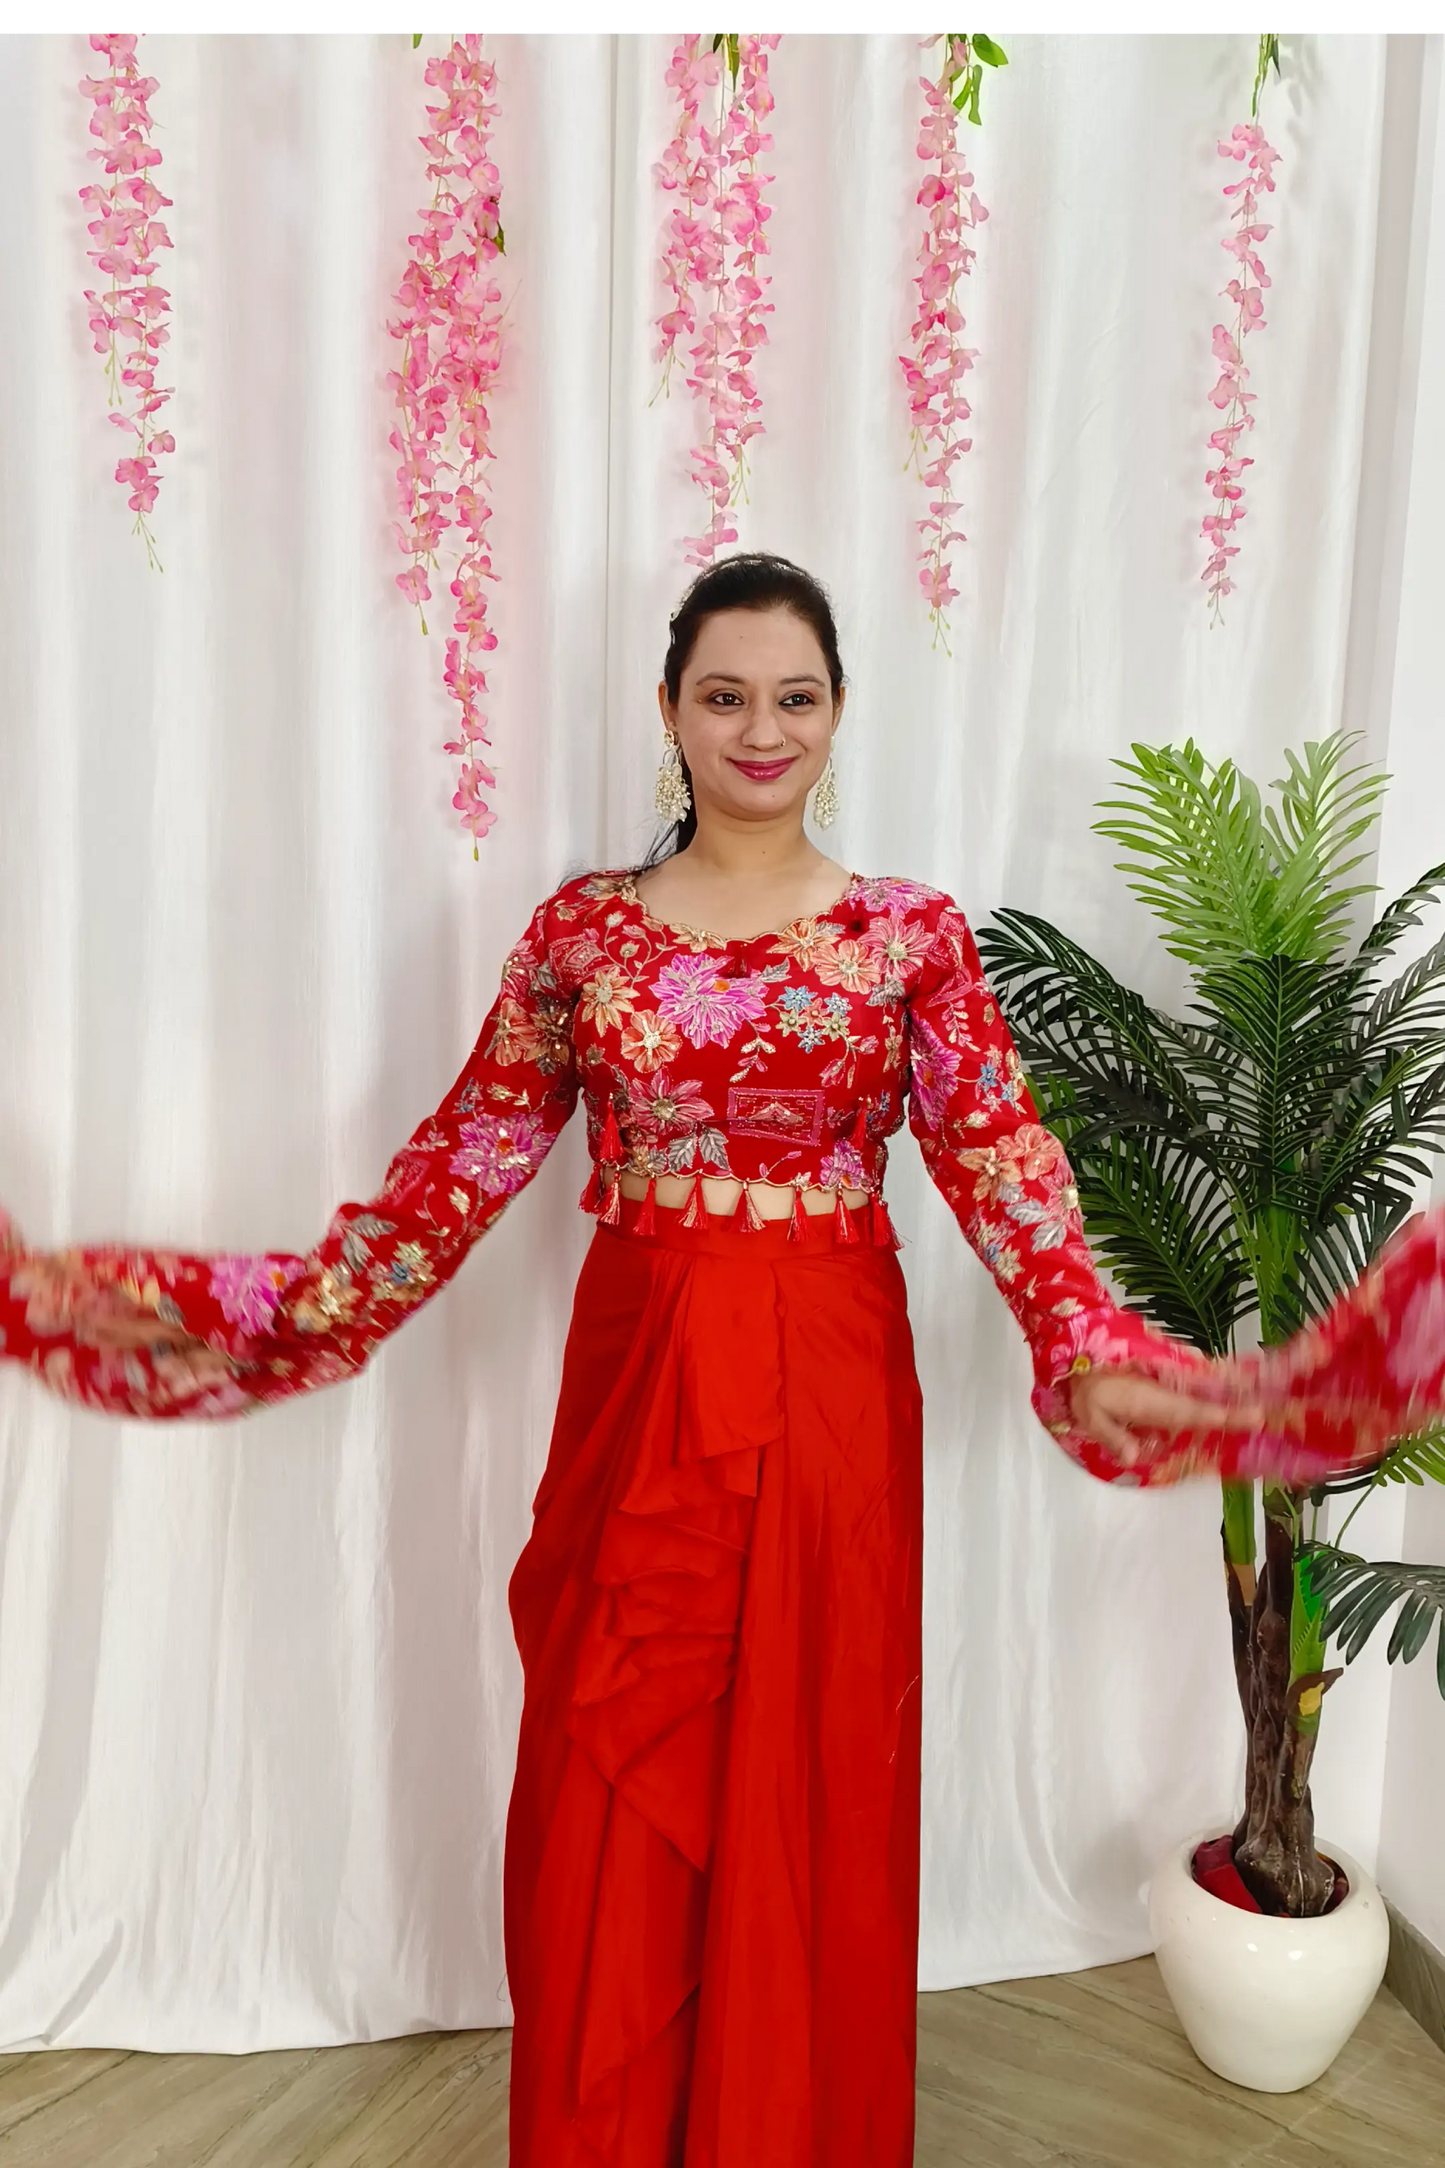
{"x": 721, "y": 1194}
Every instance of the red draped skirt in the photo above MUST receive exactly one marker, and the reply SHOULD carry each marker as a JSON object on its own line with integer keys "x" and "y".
{"x": 712, "y": 1848}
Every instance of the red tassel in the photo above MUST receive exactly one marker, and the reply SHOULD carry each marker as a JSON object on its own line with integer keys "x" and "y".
{"x": 752, "y": 1217}
{"x": 696, "y": 1213}
{"x": 860, "y": 1130}
{"x": 646, "y": 1221}
{"x": 611, "y": 1212}
{"x": 843, "y": 1228}
{"x": 591, "y": 1197}
{"x": 610, "y": 1150}
{"x": 884, "y": 1237}
{"x": 797, "y": 1224}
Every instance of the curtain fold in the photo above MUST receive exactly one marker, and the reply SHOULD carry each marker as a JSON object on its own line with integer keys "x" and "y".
{"x": 257, "y": 1687}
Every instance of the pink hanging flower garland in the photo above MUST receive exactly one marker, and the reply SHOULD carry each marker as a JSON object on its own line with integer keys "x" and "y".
{"x": 1248, "y": 146}
{"x": 449, "y": 324}
{"x": 132, "y": 314}
{"x": 713, "y": 248}
{"x": 935, "y": 370}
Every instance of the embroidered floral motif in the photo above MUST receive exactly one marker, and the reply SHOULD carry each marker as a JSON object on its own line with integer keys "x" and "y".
{"x": 805, "y": 943}
{"x": 606, "y": 999}
{"x": 851, "y": 965}
{"x": 659, "y": 1105}
{"x": 812, "y": 1019}
{"x": 249, "y": 1288}
{"x": 707, "y": 1007}
{"x": 501, "y": 1152}
{"x": 842, "y": 1169}
{"x": 933, "y": 1072}
{"x": 649, "y": 1041}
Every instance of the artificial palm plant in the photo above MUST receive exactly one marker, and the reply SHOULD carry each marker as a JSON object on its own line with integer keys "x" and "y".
{"x": 1239, "y": 1167}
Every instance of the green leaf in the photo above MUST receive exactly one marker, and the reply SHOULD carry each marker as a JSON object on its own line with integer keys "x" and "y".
{"x": 1359, "y": 1594}
{"x": 1307, "y": 1621}
{"x": 1229, "y": 876}
{"x": 417, "y": 37}
{"x": 993, "y": 56}
{"x": 1419, "y": 1459}
{"x": 1241, "y": 1541}
{"x": 1267, "y": 56}
{"x": 1398, "y": 917}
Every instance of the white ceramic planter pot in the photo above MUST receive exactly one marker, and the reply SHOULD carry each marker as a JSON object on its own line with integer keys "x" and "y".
{"x": 1267, "y": 2002}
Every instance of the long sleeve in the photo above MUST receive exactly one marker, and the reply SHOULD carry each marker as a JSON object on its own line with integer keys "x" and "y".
{"x": 276, "y": 1324}
{"x": 1010, "y": 1186}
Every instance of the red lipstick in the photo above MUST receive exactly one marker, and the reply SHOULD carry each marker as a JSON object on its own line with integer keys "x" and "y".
{"x": 764, "y": 771}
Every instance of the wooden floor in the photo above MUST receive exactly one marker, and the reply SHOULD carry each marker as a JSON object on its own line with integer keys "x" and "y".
{"x": 1089, "y": 2070}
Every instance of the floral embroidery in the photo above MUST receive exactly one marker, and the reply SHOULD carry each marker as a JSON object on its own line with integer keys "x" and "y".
{"x": 606, "y": 999}
{"x": 1030, "y": 1151}
{"x": 842, "y": 1169}
{"x": 933, "y": 1072}
{"x": 850, "y": 965}
{"x": 659, "y": 1104}
{"x": 501, "y": 1152}
{"x": 649, "y": 1041}
{"x": 805, "y": 943}
{"x": 897, "y": 943}
{"x": 707, "y": 1007}
{"x": 812, "y": 1019}
{"x": 249, "y": 1288}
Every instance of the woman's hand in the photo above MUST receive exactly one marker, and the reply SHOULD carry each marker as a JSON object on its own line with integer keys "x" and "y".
{"x": 113, "y": 1321}
{"x": 1111, "y": 1406}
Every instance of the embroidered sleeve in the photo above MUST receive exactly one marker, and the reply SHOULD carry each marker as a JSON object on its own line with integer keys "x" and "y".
{"x": 275, "y": 1324}
{"x": 1011, "y": 1188}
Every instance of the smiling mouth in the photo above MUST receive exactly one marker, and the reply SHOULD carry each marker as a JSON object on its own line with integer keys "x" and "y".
{"x": 764, "y": 771}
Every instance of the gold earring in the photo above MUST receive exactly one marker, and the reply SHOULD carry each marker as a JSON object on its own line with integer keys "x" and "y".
{"x": 825, "y": 797}
{"x": 671, "y": 795}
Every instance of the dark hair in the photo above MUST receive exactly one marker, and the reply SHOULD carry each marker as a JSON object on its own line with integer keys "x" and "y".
{"x": 751, "y": 580}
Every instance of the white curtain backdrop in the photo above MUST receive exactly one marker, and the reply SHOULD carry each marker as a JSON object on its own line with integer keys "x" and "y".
{"x": 258, "y": 1694}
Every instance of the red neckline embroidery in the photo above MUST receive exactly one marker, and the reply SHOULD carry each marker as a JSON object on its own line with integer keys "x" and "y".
{"x": 628, "y": 891}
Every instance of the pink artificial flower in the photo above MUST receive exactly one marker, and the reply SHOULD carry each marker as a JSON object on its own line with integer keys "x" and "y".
{"x": 1246, "y": 145}
{"x": 128, "y": 323}
{"x": 449, "y": 326}
{"x": 935, "y": 370}
{"x": 712, "y": 247}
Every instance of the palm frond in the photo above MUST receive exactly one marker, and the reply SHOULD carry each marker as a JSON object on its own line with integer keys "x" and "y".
{"x": 1202, "y": 861}
{"x": 1325, "y": 807}
{"x": 1359, "y": 1594}
{"x": 1161, "y": 1224}
{"x": 1276, "y": 1016}
{"x": 1418, "y": 1459}
{"x": 1078, "y": 1027}
{"x": 1398, "y": 917}
{"x": 1411, "y": 1007}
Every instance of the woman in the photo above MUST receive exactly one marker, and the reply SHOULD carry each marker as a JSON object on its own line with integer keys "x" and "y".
{"x": 712, "y": 1858}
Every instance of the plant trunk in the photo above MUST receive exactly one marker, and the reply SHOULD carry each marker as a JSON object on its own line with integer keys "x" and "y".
{"x": 1274, "y": 1845}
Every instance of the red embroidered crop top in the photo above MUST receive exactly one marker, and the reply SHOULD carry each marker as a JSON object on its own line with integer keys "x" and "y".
{"x": 788, "y": 1058}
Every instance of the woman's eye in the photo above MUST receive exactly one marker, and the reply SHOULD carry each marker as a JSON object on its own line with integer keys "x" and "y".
{"x": 730, "y": 698}
{"x": 806, "y": 699}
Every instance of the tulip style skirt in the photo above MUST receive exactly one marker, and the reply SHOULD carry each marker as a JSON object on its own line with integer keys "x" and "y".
{"x": 712, "y": 1846}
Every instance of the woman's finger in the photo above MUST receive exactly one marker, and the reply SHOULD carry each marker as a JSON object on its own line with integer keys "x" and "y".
{"x": 139, "y": 1329}
{"x": 1166, "y": 1407}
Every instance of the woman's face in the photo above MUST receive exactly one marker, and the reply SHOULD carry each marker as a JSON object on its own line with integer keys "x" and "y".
{"x": 755, "y": 714}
